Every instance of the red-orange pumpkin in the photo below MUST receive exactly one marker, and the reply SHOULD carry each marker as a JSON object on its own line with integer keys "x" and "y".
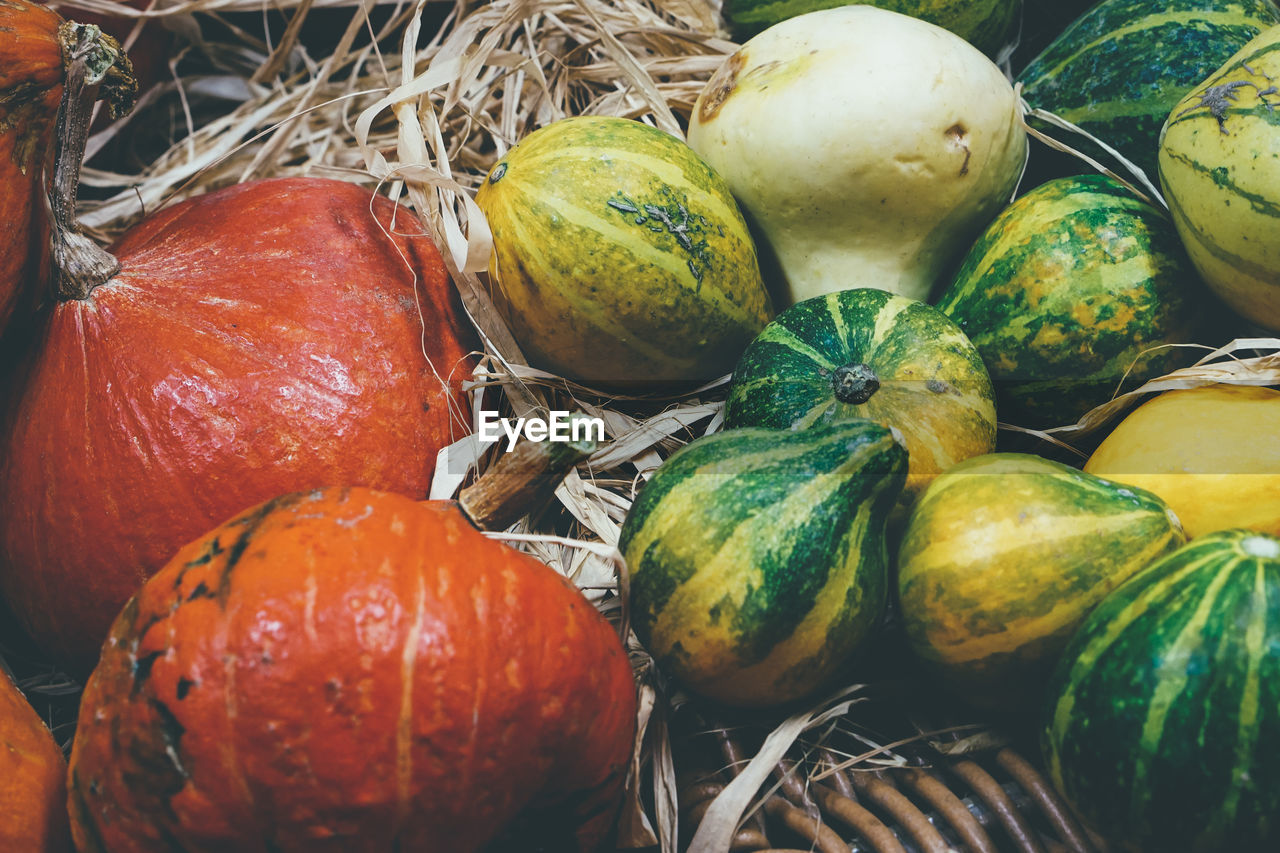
{"x": 31, "y": 73}
{"x": 262, "y": 339}
{"x": 350, "y": 670}
{"x": 33, "y": 789}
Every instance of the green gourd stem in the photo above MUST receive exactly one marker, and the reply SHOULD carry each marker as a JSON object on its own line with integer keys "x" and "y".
{"x": 855, "y": 383}
{"x": 95, "y": 66}
{"x": 524, "y": 479}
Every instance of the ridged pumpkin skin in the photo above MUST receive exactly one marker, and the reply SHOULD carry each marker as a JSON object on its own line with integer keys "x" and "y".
{"x": 871, "y": 354}
{"x": 1002, "y": 559}
{"x": 1163, "y": 721}
{"x": 1121, "y": 67}
{"x": 985, "y": 24}
{"x": 33, "y": 779}
{"x": 350, "y": 670}
{"x": 1070, "y": 286}
{"x": 31, "y": 74}
{"x": 620, "y": 257}
{"x": 1212, "y": 453}
{"x": 257, "y": 340}
{"x": 1218, "y": 169}
{"x": 758, "y": 557}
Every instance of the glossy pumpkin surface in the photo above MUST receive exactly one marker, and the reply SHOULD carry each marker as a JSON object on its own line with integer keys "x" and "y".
{"x": 350, "y": 670}
{"x": 257, "y": 340}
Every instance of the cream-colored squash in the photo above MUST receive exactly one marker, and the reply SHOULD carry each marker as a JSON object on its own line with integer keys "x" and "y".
{"x": 1212, "y": 454}
{"x": 869, "y": 147}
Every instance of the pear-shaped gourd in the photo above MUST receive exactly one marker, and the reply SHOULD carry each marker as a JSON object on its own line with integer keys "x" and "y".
{"x": 1003, "y": 558}
{"x": 758, "y": 557}
{"x": 869, "y": 147}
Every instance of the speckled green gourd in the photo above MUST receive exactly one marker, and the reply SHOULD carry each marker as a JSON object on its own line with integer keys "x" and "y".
{"x": 1120, "y": 68}
{"x": 1163, "y": 720}
{"x": 1068, "y": 292}
{"x": 620, "y": 257}
{"x": 758, "y": 557}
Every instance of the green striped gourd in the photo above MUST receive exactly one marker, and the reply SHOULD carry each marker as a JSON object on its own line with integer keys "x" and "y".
{"x": 986, "y": 24}
{"x": 1004, "y": 556}
{"x": 621, "y": 258}
{"x": 1120, "y": 67}
{"x": 1220, "y": 167}
{"x": 1163, "y": 724}
{"x": 1067, "y": 290}
{"x": 868, "y": 353}
{"x": 758, "y": 557}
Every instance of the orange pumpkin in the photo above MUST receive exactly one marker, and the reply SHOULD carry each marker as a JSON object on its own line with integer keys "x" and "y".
{"x": 350, "y": 670}
{"x": 261, "y": 339}
{"x": 30, "y": 88}
{"x": 33, "y": 817}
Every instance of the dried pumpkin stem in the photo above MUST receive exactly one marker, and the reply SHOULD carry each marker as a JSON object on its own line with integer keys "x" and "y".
{"x": 522, "y": 480}
{"x": 95, "y": 66}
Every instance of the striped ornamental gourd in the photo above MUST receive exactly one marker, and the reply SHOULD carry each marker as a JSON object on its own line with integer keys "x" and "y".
{"x": 867, "y": 353}
{"x": 1163, "y": 722}
{"x": 620, "y": 257}
{"x": 1004, "y": 556}
{"x": 1120, "y": 67}
{"x": 758, "y": 557}
{"x": 1073, "y": 288}
{"x": 1220, "y": 168}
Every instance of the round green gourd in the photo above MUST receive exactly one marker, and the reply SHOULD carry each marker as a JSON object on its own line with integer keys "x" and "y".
{"x": 1069, "y": 292}
{"x": 867, "y": 353}
{"x": 621, "y": 259}
{"x": 1220, "y": 169}
{"x": 758, "y": 557}
{"x": 1163, "y": 723}
{"x": 1004, "y": 556}
{"x": 1120, "y": 67}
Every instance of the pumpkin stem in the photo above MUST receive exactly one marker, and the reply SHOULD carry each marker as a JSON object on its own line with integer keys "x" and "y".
{"x": 95, "y": 66}
{"x": 524, "y": 478}
{"x": 855, "y": 383}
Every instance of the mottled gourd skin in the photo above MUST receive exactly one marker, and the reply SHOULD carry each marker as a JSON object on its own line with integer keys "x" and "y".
{"x": 1220, "y": 169}
{"x": 33, "y": 779}
{"x": 1163, "y": 719}
{"x": 986, "y": 24}
{"x": 257, "y": 340}
{"x": 1002, "y": 559}
{"x": 1212, "y": 453}
{"x": 31, "y": 73}
{"x": 758, "y": 557}
{"x": 350, "y": 670}
{"x": 868, "y": 353}
{"x": 620, "y": 258}
{"x": 1068, "y": 292}
{"x": 1121, "y": 67}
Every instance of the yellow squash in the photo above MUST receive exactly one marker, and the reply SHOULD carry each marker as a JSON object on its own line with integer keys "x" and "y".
{"x": 1212, "y": 453}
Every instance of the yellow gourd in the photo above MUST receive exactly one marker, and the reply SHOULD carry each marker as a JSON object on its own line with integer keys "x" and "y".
{"x": 1212, "y": 453}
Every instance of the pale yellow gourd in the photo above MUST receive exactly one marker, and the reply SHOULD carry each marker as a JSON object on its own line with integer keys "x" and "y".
{"x": 869, "y": 147}
{"x": 1212, "y": 454}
